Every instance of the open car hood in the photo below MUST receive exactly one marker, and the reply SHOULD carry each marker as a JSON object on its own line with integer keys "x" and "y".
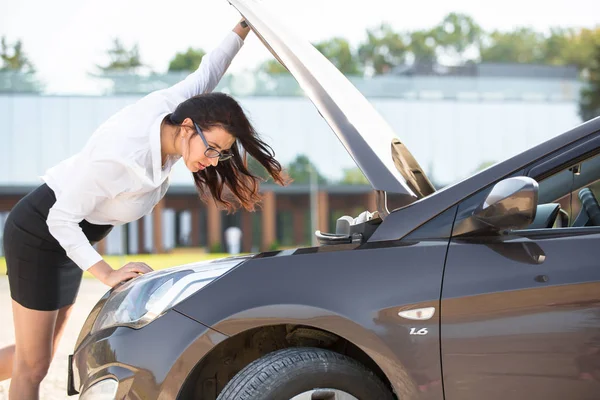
{"x": 367, "y": 137}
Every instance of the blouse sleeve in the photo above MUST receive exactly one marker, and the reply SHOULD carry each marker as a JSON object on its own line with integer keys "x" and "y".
{"x": 211, "y": 69}
{"x": 90, "y": 185}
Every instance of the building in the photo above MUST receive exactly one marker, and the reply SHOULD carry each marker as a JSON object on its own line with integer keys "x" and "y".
{"x": 453, "y": 123}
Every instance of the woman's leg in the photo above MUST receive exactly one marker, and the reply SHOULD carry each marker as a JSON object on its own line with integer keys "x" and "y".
{"x": 6, "y": 362}
{"x": 61, "y": 322}
{"x": 7, "y": 353}
{"x": 34, "y": 337}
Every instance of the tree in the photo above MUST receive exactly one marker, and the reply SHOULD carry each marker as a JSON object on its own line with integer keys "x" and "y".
{"x": 257, "y": 169}
{"x": 122, "y": 59}
{"x": 354, "y": 176}
{"x": 555, "y": 47}
{"x": 337, "y": 50}
{"x": 124, "y": 70}
{"x": 188, "y": 61}
{"x": 300, "y": 169}
{"x": 456, "y": 34}
{"x": 581, "y": 46}
{"x": 13, "y": 57}
{"x": 523, "y": 45}
{"x": 589, "y": 103}
{"x": 423, "y": 47}
{"x": 383, "y": 49}
{"x": 273, "y": 67}
{"x": 563, "y": 46}
{"x": 17, "y": 73}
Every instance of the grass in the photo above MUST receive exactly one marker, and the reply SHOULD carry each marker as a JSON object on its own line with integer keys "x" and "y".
{"x": 156, "y": 261}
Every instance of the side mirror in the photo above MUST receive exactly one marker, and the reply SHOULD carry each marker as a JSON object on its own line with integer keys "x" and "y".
{"x": 511, "y": 204}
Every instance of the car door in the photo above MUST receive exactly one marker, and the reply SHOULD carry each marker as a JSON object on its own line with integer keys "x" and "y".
{"x": 521, "y": 310}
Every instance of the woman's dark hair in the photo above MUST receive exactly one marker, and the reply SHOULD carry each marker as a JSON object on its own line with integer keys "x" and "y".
{"x": 220, "y": 110}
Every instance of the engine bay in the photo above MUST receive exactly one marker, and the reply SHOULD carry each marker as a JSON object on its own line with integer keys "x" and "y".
{"x": 351, "y": 230}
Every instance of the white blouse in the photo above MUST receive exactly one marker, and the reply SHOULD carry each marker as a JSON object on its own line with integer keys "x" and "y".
{"x": 117, "y": 177}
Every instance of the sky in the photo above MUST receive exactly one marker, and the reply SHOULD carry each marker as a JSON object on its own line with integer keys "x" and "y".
{"x": 65, "y": 39}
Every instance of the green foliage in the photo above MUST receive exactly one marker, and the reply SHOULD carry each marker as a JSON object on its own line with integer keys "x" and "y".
{"x": 257, "y": 169}
{"x": 273, "y": 67}
{"x": 556, "y": 47}
{"x": 461, "y": 39}
{"x": 337, "y": 50}
{"x": 383, "y": 49}
{"x": 457, "y": 33}
{"x": 301, "y": 168}
{"x": 274, "y": 246}
{"x": 188, "y": 61}
{"x": 121, "y": 58}
{"x": 523, "y": 45}
{"x": 17, "y": 73}
{"x": 354, "y": 176}
{"x": 423, "y": 46}
{"x": 581, "y": 48}
{"x": 216, "y": 248}
{"x": 13, "y": 57}
{"x": 589, "y": 105}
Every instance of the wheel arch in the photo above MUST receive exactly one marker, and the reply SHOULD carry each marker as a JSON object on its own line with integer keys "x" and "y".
{"x": 251, "y": 338}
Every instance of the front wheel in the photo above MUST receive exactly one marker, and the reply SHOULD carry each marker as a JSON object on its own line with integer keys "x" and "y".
{"x": 305, "y": 374}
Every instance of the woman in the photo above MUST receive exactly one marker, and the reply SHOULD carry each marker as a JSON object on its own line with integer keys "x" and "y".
{"x": 118, "y": 177}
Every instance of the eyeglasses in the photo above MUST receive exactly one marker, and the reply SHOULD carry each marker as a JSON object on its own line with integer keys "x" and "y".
{"x": 210, "y": 151}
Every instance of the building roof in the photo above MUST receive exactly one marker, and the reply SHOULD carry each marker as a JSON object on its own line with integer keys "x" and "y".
{"x": 490, "y": 70}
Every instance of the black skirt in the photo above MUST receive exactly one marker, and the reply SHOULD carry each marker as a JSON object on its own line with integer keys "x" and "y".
{"x": 41, "y": 276}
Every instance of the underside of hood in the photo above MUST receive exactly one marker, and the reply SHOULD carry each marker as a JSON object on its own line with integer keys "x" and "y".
{"x": 370, "y": 141}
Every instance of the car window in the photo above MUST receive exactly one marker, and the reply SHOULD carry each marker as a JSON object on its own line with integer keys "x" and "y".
{"x": 566, "y": 188}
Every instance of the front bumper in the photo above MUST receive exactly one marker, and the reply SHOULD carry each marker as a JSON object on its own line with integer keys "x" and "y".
{"x": 148, "y": 363}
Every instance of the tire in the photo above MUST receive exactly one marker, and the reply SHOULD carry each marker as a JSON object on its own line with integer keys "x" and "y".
{"x": 283, "y": 374}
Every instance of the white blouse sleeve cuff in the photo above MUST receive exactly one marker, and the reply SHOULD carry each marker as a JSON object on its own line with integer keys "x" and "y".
{"x": 85, "y": 256}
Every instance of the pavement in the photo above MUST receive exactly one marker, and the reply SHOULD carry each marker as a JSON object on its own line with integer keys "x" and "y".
{"x": 54, "y": 386}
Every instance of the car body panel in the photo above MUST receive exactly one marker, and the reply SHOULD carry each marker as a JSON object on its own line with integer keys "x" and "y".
{"x": 521, "y": 311}
{"x": 346, "y": 293}
{"x": 364, "y": 133}
{"x": 521, "y": 317}
{"x": 145, "y": 373}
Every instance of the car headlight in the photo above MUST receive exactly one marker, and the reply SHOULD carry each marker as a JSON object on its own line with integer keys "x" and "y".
{"x": 103, "y": 390}
{"x": 139, "y": 301}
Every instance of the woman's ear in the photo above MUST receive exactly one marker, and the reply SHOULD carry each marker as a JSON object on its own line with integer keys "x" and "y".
{"x": 187, "y": 127}
{"x": 188, "y": 123}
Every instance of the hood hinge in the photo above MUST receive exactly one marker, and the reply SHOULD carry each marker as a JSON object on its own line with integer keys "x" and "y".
{"x": 381, "y": 201}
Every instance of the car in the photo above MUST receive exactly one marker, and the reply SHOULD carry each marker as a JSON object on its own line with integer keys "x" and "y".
{"x": 485, "y": 289}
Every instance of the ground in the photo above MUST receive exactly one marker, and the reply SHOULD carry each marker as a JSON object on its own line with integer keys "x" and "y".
{"x": 54, "y": 387}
